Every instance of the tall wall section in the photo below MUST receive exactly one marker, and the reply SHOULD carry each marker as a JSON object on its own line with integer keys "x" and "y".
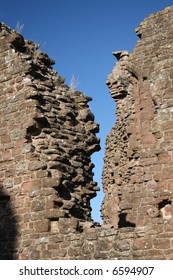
{"x": 47, "y": 135}
{"x": 138, "y": 169}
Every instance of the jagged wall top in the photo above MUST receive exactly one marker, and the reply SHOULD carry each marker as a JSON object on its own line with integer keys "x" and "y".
{"x": 137, "y": 175}
{"x": 47, "y": 136}
{"x": 153, "y": 23}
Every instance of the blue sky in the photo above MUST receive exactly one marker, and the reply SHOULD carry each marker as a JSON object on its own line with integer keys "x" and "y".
{"x": 80, "y": 35}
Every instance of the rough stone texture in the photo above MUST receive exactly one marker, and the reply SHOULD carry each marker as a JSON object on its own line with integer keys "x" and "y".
{"x": 138, "y": 169}
{"x": 47, "y": 135}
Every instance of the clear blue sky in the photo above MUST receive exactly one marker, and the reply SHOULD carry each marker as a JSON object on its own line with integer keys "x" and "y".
{"x": 80, "y": 35}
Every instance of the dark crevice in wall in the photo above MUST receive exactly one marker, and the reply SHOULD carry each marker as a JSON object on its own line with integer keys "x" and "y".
{"x": 163, "y": 203}
{"x": 8, "y": 228}
{"x": 123, "y": 222}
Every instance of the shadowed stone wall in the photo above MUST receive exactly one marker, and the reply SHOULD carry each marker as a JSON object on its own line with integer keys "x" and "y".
{"x": 47, "y": 135}
{"x": 138, "y": 169}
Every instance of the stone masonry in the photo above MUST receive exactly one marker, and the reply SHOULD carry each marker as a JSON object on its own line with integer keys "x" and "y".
{"x": 47, "y": 135}
{"x": 138, "y": 169}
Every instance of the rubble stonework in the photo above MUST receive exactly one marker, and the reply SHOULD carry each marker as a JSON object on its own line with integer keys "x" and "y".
{"x": 138, "y": 164}
{"x": 47, "y": 135}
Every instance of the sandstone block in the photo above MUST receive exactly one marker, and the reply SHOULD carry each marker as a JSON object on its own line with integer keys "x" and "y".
{"x": 41, "y": 226}
{"x": 36, "y": 165}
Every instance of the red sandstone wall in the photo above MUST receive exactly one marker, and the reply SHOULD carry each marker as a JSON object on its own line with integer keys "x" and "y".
{"x": 138, "y": 172}
{"x": 47, "y": 135}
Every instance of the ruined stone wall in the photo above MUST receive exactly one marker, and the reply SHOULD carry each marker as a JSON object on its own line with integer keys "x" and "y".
{"x": 47, "y": 135}
{"x": 138, "y": 171}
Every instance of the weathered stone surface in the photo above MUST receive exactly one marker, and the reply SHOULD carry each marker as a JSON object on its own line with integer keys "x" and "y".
{"x": 47, "y": 136}
{"x": 138, "y": 148}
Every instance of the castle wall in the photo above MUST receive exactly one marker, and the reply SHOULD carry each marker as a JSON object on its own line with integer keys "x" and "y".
{"x": 137, "y": 176}
{"x": 47, "y": 135}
